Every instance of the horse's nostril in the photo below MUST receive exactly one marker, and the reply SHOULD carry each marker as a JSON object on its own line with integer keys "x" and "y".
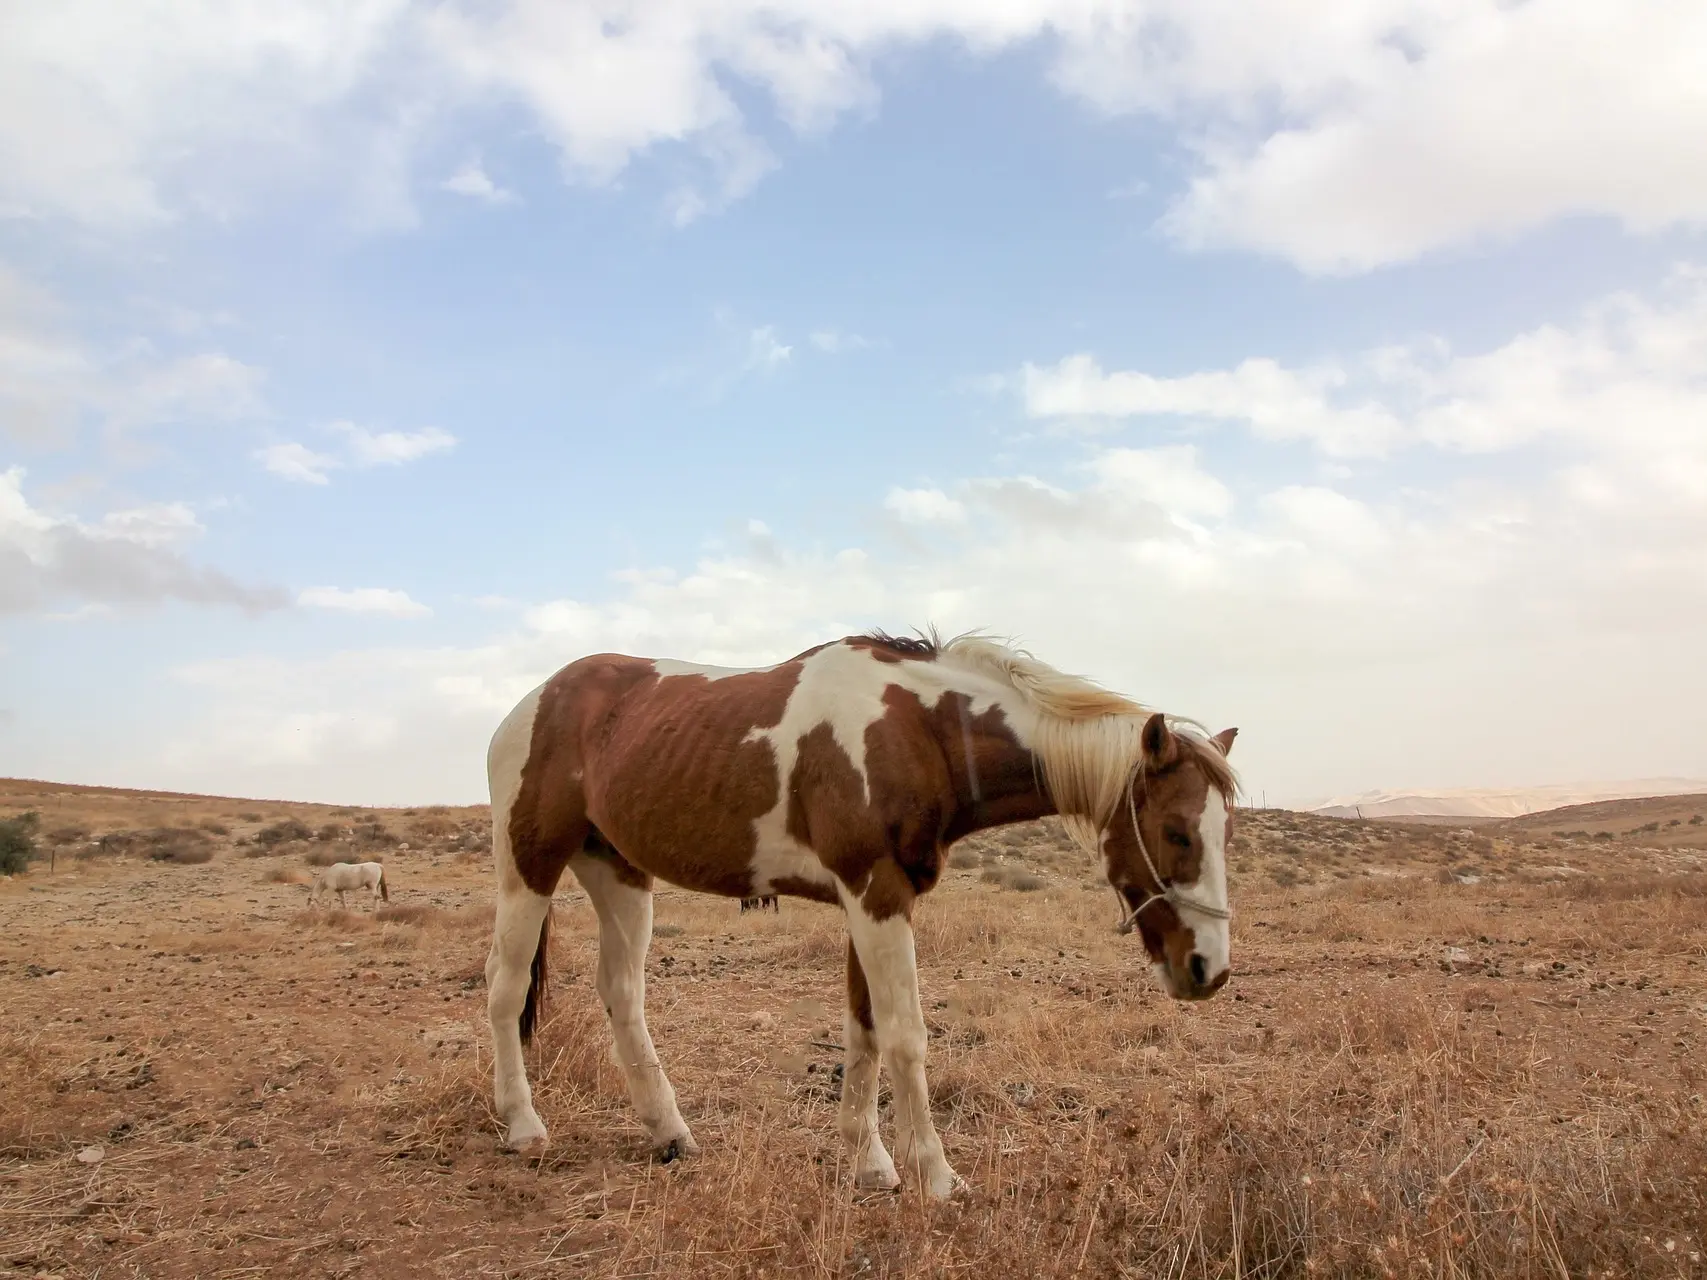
{"x": 1199, "y": 969}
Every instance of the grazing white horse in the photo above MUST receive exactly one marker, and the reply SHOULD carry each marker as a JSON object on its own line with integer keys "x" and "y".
{"x": 341, "y": 877}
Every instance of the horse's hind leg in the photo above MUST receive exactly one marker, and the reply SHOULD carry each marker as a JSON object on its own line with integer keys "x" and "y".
{"x": 516, "y": 936}
{"x": 622, "y": 896}
{"x": 515, "y": 966}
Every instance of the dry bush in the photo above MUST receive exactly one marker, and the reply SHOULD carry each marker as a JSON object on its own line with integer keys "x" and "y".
{"x": 282, "y": 831}
{"x": 432, "y": 826}
{"x": 214, "y": 827}
{"x": 185, "y": 846}
{"x": 408, "y": 914}
{"x": 373, "y": 834}
{"x": 961, "y": 858}
{"x": 182, "y": 854}
{"x": 1012, "y": 877}
{"x": 323, "y": 856}
{"x": 279, "y": 874}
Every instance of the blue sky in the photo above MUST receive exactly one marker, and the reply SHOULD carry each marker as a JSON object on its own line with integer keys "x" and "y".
{"x": 1339, "y": 372}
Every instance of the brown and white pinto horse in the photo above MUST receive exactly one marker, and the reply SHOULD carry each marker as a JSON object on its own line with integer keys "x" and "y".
{"x": 840, "y": 775}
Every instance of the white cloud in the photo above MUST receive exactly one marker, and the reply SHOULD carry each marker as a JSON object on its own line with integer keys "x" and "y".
{"x": 388, "y": 448}
{"x": 834, "y": 342}
{"x": 472, "y": 180}
{"x": 51, "y": 382}
{"x": 1448, "y": 625}
{"x": 765, "y": 350}
{"x": 1277, "y": 403}
{"x": 1365, "y": 137}
{"x": 125, "y": 558}
{"x": 1339, "y": 138}
{"x": 1169, "y": 478}
{"x": 924, "y": 506}
{"x": 292, "y": 460}
{"x": 1625, "y": 386}
{"x": 381, "y": 600}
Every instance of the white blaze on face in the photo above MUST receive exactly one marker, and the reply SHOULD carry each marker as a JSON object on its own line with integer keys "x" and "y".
{"x": 1214, "y": 940}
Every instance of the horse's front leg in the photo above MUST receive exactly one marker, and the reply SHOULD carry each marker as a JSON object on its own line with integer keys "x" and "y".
{"x": 873, "y": 1167}
{"x": 622, "y": 897}
{"x": 882, "y": 931}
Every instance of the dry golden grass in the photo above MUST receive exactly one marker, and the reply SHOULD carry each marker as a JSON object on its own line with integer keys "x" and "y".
{"x": 1494, "y": 1073}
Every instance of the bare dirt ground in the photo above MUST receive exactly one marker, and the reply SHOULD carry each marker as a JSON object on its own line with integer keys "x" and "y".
{"x": 1444, "y": 1052}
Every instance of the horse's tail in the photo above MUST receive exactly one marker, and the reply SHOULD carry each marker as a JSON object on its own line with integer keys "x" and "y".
{"x": 383, "y": 891}
{"x": 539, "y": 981}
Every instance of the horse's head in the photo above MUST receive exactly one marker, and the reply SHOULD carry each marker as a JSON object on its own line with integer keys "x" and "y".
{"x": 1166, "y": 855}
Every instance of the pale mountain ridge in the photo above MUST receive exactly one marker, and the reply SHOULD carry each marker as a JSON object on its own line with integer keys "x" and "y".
{"x": 1499, "y": 802}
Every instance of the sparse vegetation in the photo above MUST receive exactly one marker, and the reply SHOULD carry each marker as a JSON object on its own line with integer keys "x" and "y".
{"x": 18, "y": 842}
{"x": 1404, "y": 1078}
{"x": 283, "y": 831}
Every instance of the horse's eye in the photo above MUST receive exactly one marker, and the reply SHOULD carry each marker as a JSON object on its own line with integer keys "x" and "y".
{"x": 1180, "y": 839}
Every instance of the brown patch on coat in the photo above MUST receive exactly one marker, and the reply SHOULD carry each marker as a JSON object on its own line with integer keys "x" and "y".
{"x": 548, "y": 821}
{"x": 677, "y": 781}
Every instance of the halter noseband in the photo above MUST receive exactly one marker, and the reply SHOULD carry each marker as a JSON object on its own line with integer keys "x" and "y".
{"x": 1164, "y": 891}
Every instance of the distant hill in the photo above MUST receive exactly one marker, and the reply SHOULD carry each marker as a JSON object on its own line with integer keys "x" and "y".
{"x": 1501, "y": 803}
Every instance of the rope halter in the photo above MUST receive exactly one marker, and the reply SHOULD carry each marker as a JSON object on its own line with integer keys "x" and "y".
{"x": 1164, "y": 891}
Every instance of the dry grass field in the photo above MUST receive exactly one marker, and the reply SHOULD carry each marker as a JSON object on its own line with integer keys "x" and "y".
{"x": 1445, "y": 1052}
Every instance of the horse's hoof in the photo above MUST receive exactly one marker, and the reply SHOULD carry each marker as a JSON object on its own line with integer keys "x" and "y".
{"x": 944, "y": 1184}
{"x": 877, "y": 1180}
{"x": 529, "y": 1143}
{"x": 677, "y": 1148}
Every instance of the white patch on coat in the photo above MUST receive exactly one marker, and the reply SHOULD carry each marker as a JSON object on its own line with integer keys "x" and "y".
{"x": 842, "y": 686}
{"x": 1214, "y": 940}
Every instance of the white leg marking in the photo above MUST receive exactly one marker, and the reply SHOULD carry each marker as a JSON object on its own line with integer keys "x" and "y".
{"x": 625, "y": 933}
{"x": 515, "y": 938}
{"x": 886, "y": 954}
{"x": 873, "y": 1167}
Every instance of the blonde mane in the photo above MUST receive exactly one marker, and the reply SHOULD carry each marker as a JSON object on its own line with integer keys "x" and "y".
{"x": 1086, "y": 737}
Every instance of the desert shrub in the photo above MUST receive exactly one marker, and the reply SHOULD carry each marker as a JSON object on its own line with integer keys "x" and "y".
{"x": 1285, "y": 877}
{"x": 252, "y": 817}
{"x": 324, "y": 856}
{"x": 182, "y": 854}
{"x": 214, "y": 827}
{"x": 432, "y": 826}
{"x": 286, "y": 875}
{"x": 18, "y": 842}
{"x": 76, "y": 833}
{"x": 331, "y": 831}
{"x": 1695, "y": 821}
{"x": 410, "y": 914}
{"x": 283, "y": 830}
{"x": 182, "y": 845}
{"x": 1013, "y": 878}
{"x": 374, "y": 832}
{"x": 964, "y": 859}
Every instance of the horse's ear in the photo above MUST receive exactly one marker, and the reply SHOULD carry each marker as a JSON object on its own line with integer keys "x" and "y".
{"x": 1224, "y": 740}
{"x": 1160, "y": 747}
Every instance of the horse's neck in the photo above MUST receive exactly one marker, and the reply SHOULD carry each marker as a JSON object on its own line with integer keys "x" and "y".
{"x": 996, "y": 780}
